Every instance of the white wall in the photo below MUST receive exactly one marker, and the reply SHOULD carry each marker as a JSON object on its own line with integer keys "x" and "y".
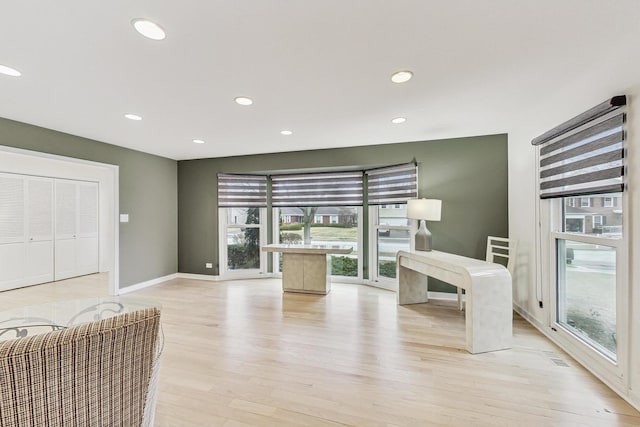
{"x": 26, "y": 163}
{"x": 523, "y": 221}
{"x": 633, "y": 170}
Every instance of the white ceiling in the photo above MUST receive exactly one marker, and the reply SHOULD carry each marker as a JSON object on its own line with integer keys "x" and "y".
{"x": 318, "y": 67}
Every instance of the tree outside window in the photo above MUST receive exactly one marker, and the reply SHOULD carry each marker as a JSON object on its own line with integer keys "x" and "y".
{"x": 252, "y": 235}
{"x": 243, "y": 238}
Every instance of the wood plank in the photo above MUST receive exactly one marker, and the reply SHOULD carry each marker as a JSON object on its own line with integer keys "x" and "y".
{"x": 242, "y": 353}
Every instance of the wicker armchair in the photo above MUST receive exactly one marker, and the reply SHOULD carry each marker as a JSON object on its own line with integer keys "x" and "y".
{"x": 100, "y": 373}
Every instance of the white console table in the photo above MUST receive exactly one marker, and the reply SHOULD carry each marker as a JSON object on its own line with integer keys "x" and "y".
{"x": 306, "y": 268}
{"x": 488, "y": 318}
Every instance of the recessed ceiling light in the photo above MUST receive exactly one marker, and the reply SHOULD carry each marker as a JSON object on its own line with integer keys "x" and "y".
{"x": 133, "y": 117}
{"x": 398, "y": 120}
{"x": 401, "y": 76}
{"x": 149, "y": 29}
{"x": 9, "y": 71}
{"x": 198, "y": 141}
{"x": 286, "y": 132}
{"x": 243, "y": 100}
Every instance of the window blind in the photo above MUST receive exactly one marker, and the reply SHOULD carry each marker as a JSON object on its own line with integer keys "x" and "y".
{"x": 585, "y": 155}
{"x": 318, "y": 189}
{"x": 392, "y": 184}
{"x": 237, "y": 191}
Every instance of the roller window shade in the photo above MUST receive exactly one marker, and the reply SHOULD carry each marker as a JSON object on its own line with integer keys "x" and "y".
{"x": 586, "y": 154}
{"x": 393, "y": 184}
{"x": 321, "y": 189}
{"x": 237, "y": 191}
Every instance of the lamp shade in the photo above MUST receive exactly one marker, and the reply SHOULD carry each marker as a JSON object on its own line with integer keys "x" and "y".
{"x": 428, "y": 209}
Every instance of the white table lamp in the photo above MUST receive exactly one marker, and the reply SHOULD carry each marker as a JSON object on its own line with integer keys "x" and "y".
{"x": 424, "y": 210}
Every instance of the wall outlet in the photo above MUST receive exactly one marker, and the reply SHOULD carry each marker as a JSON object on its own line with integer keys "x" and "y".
{"x": 209, "y": 265}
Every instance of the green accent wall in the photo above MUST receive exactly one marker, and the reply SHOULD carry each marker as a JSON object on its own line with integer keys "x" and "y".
{"x": 468, "y": 174}
{"x": 148, "y": 193}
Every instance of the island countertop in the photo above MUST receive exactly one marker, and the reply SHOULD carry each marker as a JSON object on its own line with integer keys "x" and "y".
{"x": 308, "y": 249}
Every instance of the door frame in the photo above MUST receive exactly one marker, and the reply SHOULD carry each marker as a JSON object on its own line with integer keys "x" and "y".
{"x": 35, "y": 163}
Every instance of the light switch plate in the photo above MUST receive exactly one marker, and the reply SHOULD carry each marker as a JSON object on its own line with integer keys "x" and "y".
{"x": 209, "y": 265}
{"x": 124, "y": 217}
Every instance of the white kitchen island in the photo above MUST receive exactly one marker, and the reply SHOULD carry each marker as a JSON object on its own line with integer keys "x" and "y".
{"x": 307, "y": 268}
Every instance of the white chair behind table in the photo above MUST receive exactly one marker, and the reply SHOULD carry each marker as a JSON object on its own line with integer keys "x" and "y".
{"x": 499, "y": 250}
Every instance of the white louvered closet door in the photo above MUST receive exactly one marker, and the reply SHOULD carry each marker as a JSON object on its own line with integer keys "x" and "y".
{"x": 39, "y": 221}
{"x": 66, "y": 213}
{"x": 87, "y": 241}
{"x": 12, "y": 230}
{"x": 48, "y": 229}
{"x": 76, "y": 228}
{"x": 26, "y": 230}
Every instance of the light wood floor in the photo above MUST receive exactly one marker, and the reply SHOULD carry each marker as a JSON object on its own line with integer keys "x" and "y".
{"x": 242, "y": 353}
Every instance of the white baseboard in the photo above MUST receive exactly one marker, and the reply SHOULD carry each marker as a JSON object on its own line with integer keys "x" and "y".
{"x": 213, "y": 278}
{"x": 146, "y": 284}
{"x": 208, "y": 277}
{"x": 240, "y": 275}
{"x": 529, "y": 318}
{"x": 444, "y": 295}
{"x": 634, "y": 399}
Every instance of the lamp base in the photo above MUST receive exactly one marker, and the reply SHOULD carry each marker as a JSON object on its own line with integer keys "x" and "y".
{"x": 423, "y": 237}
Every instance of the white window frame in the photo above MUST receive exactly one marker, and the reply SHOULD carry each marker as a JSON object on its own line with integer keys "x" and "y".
{"x": 339, "y": 279}
{"x": 587, "y": 204}
{"x": 333, "y": 219}
{"x": 572, "y": 202}
{"x": 597, "y": 223}
{"x": 317, "y": 219}
{"x": 374, "y": 225}
{"x": 607, "y": 202}
{"x": 616, "y": 373}
{"x": 223, "y": 227}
